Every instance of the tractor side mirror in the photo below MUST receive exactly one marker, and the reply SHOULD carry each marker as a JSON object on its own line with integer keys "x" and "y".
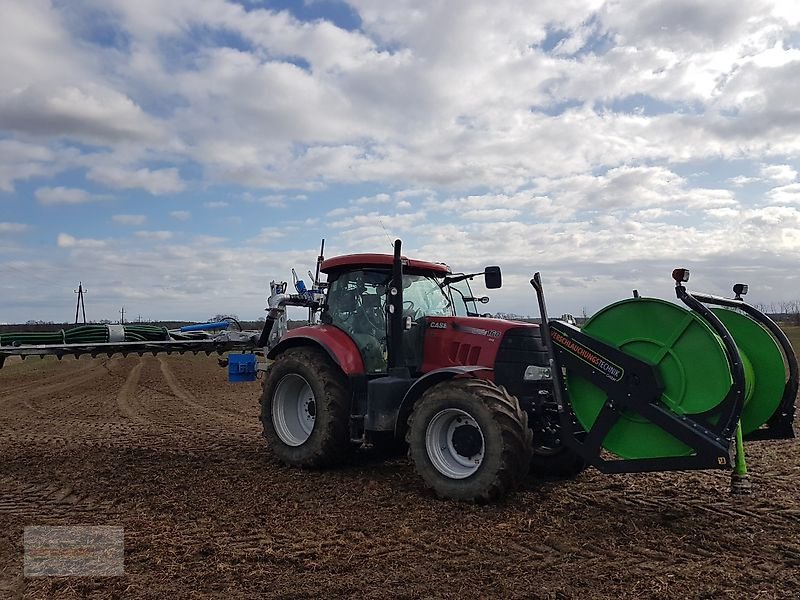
{"x": 493, "y": 278}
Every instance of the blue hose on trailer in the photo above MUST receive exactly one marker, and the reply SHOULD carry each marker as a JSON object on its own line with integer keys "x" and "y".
{"x": 205, "y": 326}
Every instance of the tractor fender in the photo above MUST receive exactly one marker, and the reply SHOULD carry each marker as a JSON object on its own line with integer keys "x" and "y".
{"x": 339, "y": 346}
{"x": 422, "y": 385}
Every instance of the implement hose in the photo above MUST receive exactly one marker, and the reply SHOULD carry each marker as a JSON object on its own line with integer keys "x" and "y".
{"x": 84, "y": 334}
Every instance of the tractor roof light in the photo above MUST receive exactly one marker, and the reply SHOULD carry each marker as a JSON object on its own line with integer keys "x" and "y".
{"x": 740, "y": 289}
{"x": 680, "y": 275}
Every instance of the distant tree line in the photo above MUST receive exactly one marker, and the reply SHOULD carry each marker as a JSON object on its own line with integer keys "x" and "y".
{"x": 782, "y": 312}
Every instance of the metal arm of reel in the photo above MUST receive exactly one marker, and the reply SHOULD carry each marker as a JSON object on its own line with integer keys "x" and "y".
{"x": 780, "y": 425}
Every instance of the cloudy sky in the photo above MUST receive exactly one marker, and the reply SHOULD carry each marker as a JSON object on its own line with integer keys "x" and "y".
{"x": 177, "y": 155}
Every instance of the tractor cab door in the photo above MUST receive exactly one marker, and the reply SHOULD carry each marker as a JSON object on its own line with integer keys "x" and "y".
{"x": 356, "y": 304}
{"x": 423, "y": 297}
{"x": 463, "y": 300}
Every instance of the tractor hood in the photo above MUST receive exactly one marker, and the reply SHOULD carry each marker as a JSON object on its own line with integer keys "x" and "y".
{"x": 474, "y": 340}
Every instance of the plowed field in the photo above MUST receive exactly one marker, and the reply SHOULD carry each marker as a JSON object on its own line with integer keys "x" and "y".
{"x": 167, "y": 449}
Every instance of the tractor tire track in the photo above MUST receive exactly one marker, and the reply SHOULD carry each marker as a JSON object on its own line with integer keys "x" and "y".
{"x": 26, "y": 500}
{"x": 91, "y": 401}
{"x": 209, "y": 391}
{"x": 180, "y": 392}
{"x": 162, "y": 439}
{"x": 27, "y": 394}
{"x": 128, "y": 391}
{"x": 9, "y": 376}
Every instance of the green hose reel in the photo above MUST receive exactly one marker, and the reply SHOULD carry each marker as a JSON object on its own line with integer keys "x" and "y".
{"x": 692, "y": 364}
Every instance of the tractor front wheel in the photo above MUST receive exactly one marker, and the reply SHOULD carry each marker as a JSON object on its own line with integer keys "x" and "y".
{"x": 305, "y": 409}
{"x": 469, "y": 440}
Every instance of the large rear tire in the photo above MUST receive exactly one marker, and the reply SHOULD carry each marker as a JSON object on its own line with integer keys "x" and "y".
{"x": 469, "y": 440}
{"x": 305, "y": 409}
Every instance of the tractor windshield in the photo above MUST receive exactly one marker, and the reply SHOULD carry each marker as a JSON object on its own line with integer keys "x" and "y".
{"x": 423, "y": 296}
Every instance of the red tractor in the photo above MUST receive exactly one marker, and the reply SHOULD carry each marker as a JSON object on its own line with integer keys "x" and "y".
{"x": 401, "y": 353}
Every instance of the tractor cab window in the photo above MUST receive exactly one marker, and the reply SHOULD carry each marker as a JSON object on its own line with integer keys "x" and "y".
{"x": 423, "y": 296}
{"x": 460, "y": 291}
{"x": 356, "y": 304}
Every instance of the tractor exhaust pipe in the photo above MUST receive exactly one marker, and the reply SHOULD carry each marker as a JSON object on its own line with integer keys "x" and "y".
{"x": 395, "y": 350}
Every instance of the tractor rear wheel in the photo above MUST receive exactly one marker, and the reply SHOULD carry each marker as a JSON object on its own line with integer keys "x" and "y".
{"x": 305, "y": 409}
{"x": 469, "y": 440}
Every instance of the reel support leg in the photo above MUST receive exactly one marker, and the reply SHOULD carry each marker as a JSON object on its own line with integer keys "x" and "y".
{"x": 740, "y": 480}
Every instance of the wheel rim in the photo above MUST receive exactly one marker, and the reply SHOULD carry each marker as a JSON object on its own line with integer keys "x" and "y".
{"x": 294, "y": 410}
{"x": 455, "y": 444}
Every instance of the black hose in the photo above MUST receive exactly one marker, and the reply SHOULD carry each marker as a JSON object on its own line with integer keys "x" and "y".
{"x": 84, "y": 334}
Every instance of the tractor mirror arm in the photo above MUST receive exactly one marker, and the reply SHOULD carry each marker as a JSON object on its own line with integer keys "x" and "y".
{"x": 492, "y": 275}
{"x": 456, "y": 278}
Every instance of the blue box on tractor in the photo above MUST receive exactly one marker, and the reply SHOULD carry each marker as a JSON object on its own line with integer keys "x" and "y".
{"x": 241, "y": 367}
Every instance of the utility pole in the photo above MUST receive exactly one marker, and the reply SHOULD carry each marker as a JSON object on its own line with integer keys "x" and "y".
{"x": 122, "y": 318}
{"x": 80, "y": 306}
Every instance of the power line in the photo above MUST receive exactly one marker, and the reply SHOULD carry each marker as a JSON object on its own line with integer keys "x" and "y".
{"x": 80, "y": 306}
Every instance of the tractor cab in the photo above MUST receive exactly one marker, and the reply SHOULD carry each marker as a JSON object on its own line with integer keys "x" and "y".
{"x": 358, "y": 302}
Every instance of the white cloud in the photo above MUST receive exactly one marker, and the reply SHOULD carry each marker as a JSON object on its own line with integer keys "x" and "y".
{"x": 67, "y": 241}
{"x": 6, "y": 227}
{"x": 274, "y": 200}
{"x": 154, "y": 235}
{"x": 216, "y": 204}
{"x": 785, "y": 194}
{"x": 779, "y": 173}
{"x": 22, "y": 160}
{"x": 156, "y": 181}
{"x": 64, "y": 195}
{"x": 376, "y": 199}
{"x": 181, "y": 215}
{"x": 490, "y": 214}
{"x": 129, "y": 219}
{"x": 268, "y": 234}
{"x": 37, "y": 45}
{"x": 90, "y": 113}
{"x": 742, "y": 180}
{"x": 204, "y": 240}
{"x": 340, "y": 211}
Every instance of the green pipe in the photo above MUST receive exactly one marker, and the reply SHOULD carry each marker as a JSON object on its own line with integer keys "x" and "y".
{"x": 740, "y": 480}
{"x": 741, "y": 465}
{"x": 84, "y": 334}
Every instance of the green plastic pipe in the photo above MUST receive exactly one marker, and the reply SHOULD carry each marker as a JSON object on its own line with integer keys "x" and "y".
{"x": 740, "y": 467}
